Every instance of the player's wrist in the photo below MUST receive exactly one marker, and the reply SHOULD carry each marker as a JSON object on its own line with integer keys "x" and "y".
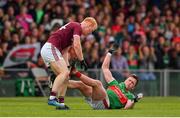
{"x": 138, "y": 97}
{"x": 82, "y": 60}
{"x": 84, "y": 65}
{"x": 136, "y": 100}
{"x": 109, "y": 53}
{"x": 78, "y": 74}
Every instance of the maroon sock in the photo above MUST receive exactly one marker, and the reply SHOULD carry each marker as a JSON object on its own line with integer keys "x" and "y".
{"x": 61, "y": 99}
{"x": 53, "y": 93}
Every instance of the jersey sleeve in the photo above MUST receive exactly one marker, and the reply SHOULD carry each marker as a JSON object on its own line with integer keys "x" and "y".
{"x": 114, "y": 82}
{"x": 130, "y": 96}
{"x": 77, "y": 29}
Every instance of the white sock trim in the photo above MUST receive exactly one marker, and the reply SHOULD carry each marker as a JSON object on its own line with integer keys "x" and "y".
{"x": 52, "y": 97}
{"x": 62, "y": 104}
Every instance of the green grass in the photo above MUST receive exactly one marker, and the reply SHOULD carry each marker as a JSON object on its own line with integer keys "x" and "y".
{"x": 37, "y": 106}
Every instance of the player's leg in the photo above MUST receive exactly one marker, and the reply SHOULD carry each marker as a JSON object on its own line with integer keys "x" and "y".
{"x": 60, "y": 69}
{"x": 83, "y": 88}
{"x": 98, "y": 91}
{"x": 63, "y": 89}
{"x": 99, "y": 98}
{"x": 66, "y": 53}
{"x": 60, "y": 95}
{"x": 53, "y": 58}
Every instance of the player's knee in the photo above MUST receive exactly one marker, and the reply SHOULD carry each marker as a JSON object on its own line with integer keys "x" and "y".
{"x": 98, "y": 83}
{"x": 86, "y": 89}
{"x": 66, "y": 74}
{"x": 80, "y": 85}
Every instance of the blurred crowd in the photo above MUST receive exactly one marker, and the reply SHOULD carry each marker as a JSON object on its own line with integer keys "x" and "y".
{"x": 147, "y": 31}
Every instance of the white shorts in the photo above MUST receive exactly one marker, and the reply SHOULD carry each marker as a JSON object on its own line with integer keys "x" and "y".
{"x": 50, "y": 53}
{"x": 98, "y": 104}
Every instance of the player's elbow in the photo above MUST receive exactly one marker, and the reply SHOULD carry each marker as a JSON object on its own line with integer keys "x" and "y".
{"x": 104, "y": 67}
{"x": 129, "y": 104}
{"x": 126, "y": 108}
{"x": 105, "y": 70}
{"x": 76, "y": 42}
{"x": 76, "y": 45}
{"x": 76, "y": 49}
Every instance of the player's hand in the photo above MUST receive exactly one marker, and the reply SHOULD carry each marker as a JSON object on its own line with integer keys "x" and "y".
{"x": 114, "y": 48}
{"x": 72, "y": 68}
{"x": 83, "y": 65}
{"x": 138, "y": 97}
{"x": 73, "y": 71}
{"x": 111, "y": 51}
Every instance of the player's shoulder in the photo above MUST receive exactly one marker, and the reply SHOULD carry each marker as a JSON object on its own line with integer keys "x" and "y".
{"x": 112, "y": 83}
{"x": 74, "y": 23}
{"x": 122, "y": 85}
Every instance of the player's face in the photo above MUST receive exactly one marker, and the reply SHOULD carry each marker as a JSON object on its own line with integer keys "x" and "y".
{"x": 88, "y": 29}
{"x": 130, "y": 83}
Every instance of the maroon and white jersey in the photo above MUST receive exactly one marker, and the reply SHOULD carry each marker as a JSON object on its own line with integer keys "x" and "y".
{"x": 63, "y": 37}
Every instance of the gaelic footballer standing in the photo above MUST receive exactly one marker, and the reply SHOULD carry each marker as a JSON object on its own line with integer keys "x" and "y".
{"x": 55, "y": 55}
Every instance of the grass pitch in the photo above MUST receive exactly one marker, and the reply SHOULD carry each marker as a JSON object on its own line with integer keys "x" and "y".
{"x": 37, "y": 106}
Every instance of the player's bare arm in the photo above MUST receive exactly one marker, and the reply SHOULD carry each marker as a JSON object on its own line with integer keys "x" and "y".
{"x": 105, "y": 68}
{"x": 77, "y": 47}
{"x": 129, "y": 104}
{"x": 78, "y": 50}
